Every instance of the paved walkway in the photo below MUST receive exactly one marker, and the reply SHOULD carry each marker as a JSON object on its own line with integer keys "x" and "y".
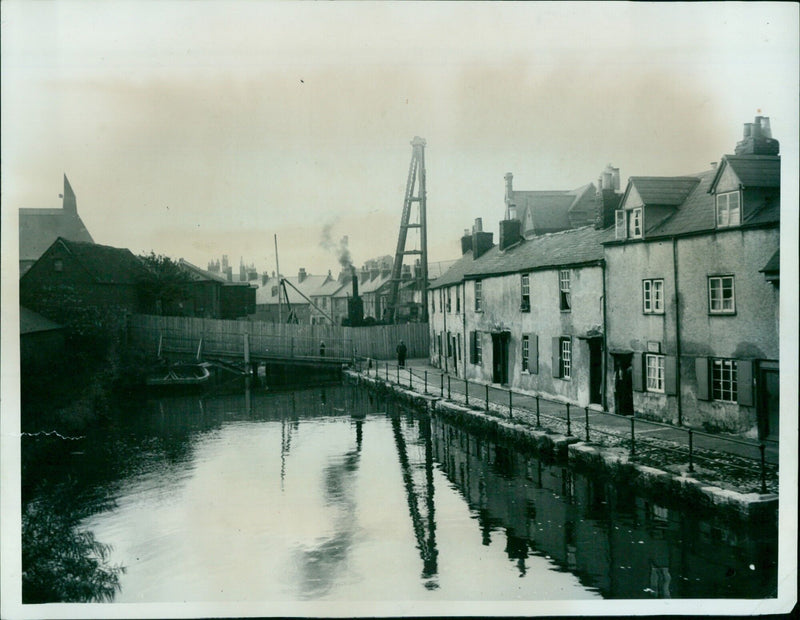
{"x": 554, "y": 414}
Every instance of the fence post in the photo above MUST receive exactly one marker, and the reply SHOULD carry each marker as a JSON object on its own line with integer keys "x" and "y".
{"x": 586, "y": 409}
{"x": 763, "y": 469}
{"x": 466, "y": 393}
{"x": 410, "y": 378}
{"x": 398, "y": 374}
{"x": 538, "y": 423}
{"x": 441, "y": 385}
{"x": 426, "y": 382}
{"x": 633, "y": 439}
{"x": 569, "y": 423}
{"x": 387, "y": 371}
{"x": 691, "y": 450}
{"x": 448, "y": 387}
{"x": 487, "y": 397}
{"x": 510, "y": 409}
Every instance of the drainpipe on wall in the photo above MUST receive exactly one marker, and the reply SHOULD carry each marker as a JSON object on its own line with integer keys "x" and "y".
{"x": 677, "y": 331}
{"x": 464, "y": 327}
{"x": 604, "y": 368}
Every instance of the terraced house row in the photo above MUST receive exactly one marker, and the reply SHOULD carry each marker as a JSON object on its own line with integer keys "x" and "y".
{"x": 659, "y": 299}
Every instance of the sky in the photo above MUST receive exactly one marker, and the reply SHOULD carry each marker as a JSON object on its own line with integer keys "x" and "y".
{"x": 201, "y": 129}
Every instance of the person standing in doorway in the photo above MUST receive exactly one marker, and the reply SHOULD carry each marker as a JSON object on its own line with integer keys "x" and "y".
{"x": 402, "y": 350}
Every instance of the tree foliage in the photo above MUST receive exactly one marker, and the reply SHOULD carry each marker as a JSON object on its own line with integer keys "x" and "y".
{"x": 166, "y": 284}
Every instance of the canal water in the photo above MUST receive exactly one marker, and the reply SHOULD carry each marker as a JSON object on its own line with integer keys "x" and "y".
{"x": 331, "y": 493}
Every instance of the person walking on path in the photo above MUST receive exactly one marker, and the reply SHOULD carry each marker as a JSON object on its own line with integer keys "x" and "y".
{"x": 401, "y": 353}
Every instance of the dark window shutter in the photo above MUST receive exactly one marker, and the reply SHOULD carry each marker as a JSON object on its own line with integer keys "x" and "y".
{"x": 637, "y": 371}
{"x": 744, "y": 380}
{"x": 472, "y": 353}
{"x": 556, "y": 357}
{"x": 670, "y": 375}
{"x": 533, "y": 354}
{"x": 701, "y": 372}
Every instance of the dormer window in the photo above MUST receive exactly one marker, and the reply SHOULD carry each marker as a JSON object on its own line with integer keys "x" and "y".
{"x": 628, "y": 223}
{"x": 635, "y": 223}
{"x": 728, "y": 209}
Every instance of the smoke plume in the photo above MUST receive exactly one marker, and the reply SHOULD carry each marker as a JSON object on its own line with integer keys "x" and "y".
{"x": 340, "y": 248}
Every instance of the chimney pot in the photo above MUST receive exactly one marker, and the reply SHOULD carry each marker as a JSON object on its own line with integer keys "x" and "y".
{"x": 478, "y": 225}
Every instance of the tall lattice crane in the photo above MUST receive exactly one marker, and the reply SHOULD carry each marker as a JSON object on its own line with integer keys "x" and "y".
{"x": 416, "y": 171}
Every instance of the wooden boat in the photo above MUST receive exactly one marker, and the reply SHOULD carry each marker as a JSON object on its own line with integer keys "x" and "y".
{"x": 180, "y": 374}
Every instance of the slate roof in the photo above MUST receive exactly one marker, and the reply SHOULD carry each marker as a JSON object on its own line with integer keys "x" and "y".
{"x": 31, "y": 322}
{"x": 697, "y": 213}
{"x": 773, "y": 264}
{"x": 310, "y": 286}
{"x": 107, "y": 265}
{"x": 668, "y": 191}
{"x": 456, "y": 272}
{"x": 569, "y": 247}
{"x": 39, "y": 228}
{"x": 439, "y": 268}
{"x": 551, "y": 209}
{"x": 198, "y": 274}
{"x": 754, "y": 170}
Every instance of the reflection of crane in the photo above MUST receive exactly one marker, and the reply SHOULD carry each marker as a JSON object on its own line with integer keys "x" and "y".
{"x": 427, "y": 547}
{"x": 416, "y": 169}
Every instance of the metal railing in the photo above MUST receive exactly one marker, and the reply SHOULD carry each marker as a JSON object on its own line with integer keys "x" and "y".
{"x": 640, "y": 435}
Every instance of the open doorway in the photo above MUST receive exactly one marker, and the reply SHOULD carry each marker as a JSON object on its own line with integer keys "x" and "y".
{"x": 595, "y": 370}
{"x": 623, "y": 383}
{"x": 768, "y": 401}
{"x": 500, "y": 342}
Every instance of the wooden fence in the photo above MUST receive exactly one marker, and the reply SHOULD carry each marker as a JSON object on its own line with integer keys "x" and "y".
{"x": 183, "y": 335}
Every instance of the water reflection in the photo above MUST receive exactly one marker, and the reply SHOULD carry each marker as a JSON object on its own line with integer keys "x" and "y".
{"x": 332, "y": 493}
{"x": 623, "y": 545}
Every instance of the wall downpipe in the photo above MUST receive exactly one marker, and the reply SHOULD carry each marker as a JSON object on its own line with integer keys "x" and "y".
{"x": 678, "y": 394}
{"x": 604, "y": 369}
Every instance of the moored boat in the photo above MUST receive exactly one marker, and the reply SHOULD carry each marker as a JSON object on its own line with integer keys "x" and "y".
{"x": 180, "y": 374}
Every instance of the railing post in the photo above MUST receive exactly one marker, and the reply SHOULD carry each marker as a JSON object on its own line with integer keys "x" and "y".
{"x": 586, "y": 409}
{"x": 441, "y": 385}
{"x": 466, "y": 393}
{"x": 510, "y": 409}
{"x": 448, "y": 387}
{"x": 763, "y": 469}
{"x": 538, "y": 422}
{"x": 410, "y": 378}
{"x": 398, "y": 374}
{"x": 387, "y": 371}
{"x": 569, "y": 423}
{"x": 691, "y": 450}
{"x": 633, "y": 439}
{"x": 487, "y": 397}
{"x": 426, "y": 382}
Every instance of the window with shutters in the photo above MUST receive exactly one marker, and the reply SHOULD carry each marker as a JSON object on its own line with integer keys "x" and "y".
{"x": 654, "y": 367}
{"x": 724, "y": 384}
{"x": 653, "y": 296}
{"x": 728, "y": 211}
{"x": 525, "y": 285}
{"x": 620, "y": 229}
{"x": 478, "y": 296}
{"x": 566, "y": 358}
{"x": 525, "y": 352}
{"x": 564, "y": 290}
{"x": 721, "y": 295}
{"x": 635, "y": 223}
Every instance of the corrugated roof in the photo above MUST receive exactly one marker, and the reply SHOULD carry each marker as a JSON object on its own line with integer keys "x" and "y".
{"x": 568, "y": 247}
{"x": 669, "y": 191}
{"x": 106, "y": 264}
{"x": 31, "y": 322}
{"x": 755, "y": 170}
